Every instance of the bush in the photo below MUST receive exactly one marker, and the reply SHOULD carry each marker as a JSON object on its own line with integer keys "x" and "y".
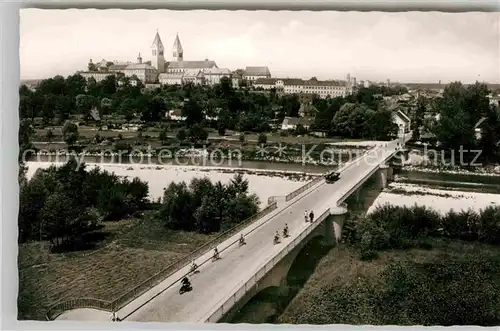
{"x": 392, "y": 227}
{"x": 262, "y": 139}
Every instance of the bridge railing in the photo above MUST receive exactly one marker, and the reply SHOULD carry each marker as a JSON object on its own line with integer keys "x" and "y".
{"x": 241, "y": 289}
{"x": 151, "y": 282}
{"x": 63, "y": 306}
{"x": 303, "y": 188}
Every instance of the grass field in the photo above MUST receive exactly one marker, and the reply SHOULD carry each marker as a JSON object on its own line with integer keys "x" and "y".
{"x": 274, "y": 137}
{"x": 134, "y": 250}
{"x": 342, "y": 270}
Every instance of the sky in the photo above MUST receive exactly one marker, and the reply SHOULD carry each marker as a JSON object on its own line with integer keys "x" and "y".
{"x": 403, "y": 47}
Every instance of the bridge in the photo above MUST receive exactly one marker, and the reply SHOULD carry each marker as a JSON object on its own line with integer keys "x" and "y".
{"x": 222, "y": 287}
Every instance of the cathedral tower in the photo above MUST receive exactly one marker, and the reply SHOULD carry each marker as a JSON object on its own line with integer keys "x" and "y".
{"x": 177, "y": 51}
{"x": 157, "y": 50}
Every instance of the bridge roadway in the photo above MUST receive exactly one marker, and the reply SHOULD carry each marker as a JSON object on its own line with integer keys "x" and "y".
{"x": 215, "y": 279}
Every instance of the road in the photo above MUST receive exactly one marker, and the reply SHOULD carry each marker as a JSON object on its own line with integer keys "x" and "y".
{"x": 216, "y": 279}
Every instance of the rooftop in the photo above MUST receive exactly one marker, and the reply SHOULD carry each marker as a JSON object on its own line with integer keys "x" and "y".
{"x": 191, "y": 64}
{"x": 300, "y": 82}
{"x": 257, "y": 71}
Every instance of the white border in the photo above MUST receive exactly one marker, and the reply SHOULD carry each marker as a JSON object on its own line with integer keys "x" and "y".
{"x": 9, "y": 84}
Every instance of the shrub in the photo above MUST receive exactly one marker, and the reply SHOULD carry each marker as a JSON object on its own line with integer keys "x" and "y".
{"x": 393, "y": 227}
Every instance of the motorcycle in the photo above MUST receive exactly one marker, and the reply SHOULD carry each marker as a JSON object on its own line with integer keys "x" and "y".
{"x": 216, "y": 256}
{"x": 242, "y": 241}
{"x": 185, "y": 288}
{"x": 194, "y": 269}
{"x": 285, "y": 233}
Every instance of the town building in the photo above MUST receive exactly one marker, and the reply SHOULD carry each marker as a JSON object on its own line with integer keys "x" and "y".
{"x": 100, "y": 70}
{"x": 291, "y": 123}
{"x": 179, "y": 71}
{"x": 324, "y": 89}
{"x": 402, "y": 121}
{"x": 252, "y": 74}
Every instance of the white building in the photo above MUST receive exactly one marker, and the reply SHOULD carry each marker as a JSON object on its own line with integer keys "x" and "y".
{"x": 290, "y": 123}
{"x": 402, "y": 121}
{"x": 251, "y": 74}
{"x": 97, "y": 75}
{"x": 175, "y": 115}
{"x": 170, "y": 79}
{"x": 327, "y": 88}
{"x": 214, "y": 75}
{"x": 194, "y": 76}
{"x": 143, "y": 71}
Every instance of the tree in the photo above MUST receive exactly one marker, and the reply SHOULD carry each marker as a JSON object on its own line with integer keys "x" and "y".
{"x": 26, "y": 131}
{"x": 75, "y": 85}
{"x": 181, "y": 135}
{"x": 417, "y": 120}
{"x": 262, "y": 139}
{"x": 92, "y": 67}
{"x": 490, "y": 134}
{"x": 163, "y": 136}
{"x": 352, "y": 120}
{"x": 155, "y": 110}
{"x": 380, "y": 125}
{"x": 193, "y": 112}
{"x": 456, "y": 125}
{"x": 291, "y": 105}
{"x": 70, "y": 133}
{"x": 221, "y": 129}
{"x": 197, "y": 133}
{"x": 176, "y": 208}
{"x": 206, "y": 216}
{"x": 84, "y": 103}
{"x": 27, "y": 106}
{"x": 49, "y": 135}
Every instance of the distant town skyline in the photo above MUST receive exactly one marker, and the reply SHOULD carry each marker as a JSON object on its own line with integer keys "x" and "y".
{"x": 405, "y": 47}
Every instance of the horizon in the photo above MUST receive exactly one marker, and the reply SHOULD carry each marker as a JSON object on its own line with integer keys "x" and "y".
{"x": 450, "y": 47}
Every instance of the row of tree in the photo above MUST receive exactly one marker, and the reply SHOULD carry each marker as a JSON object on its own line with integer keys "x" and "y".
{"x": 63, "y": 204}
{"x": 55, "y": 99}
{"x": 207, "y": 207}
{"x": 460, "y": 109}
{"x": 394, "y": 227}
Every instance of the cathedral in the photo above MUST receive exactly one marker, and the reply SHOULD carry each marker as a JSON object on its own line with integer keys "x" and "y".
{"x": 158, "y": 70}
{"x": 179, "y": 71}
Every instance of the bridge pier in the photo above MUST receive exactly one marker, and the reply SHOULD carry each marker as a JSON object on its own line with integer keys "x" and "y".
{"x": 383, "y": 176}
{"x": 334, "y": 224}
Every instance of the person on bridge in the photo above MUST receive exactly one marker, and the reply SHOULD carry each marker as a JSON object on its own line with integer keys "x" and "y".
{"x": 285, "y": 231}
{"x": 276, "y": 238}
{"x": 216, "y": 254}
{"x": 194, "y": 266}
{"x": 242, "y": 240}
{"x": 311, "y": 216}
{"x": 306, "y": 216}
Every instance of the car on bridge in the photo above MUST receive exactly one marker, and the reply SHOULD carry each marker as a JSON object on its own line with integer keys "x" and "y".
{"x": 332, "y": 176}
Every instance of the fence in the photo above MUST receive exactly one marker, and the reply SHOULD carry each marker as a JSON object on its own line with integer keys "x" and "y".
{"x": 61, "y": 307}
{"x": 303, "y": 188}
{"x": 242, "y": 289}
{"x": 123, "y": 300}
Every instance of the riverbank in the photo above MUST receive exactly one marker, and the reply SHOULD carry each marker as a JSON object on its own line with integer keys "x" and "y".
{"x": 403, "y": 194}
{"x": 264, "y": 183}
{"x": 343, "y": 289}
